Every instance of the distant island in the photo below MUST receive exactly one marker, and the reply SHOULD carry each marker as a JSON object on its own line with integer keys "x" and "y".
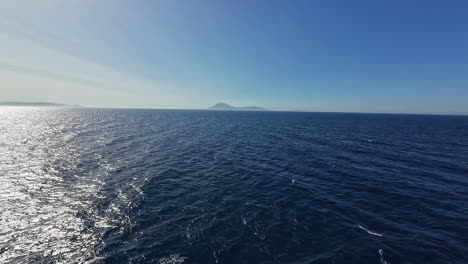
{"x": 224, "y": 106}
{"x": 44, "y": 104}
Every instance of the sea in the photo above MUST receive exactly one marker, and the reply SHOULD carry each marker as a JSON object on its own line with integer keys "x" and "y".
{"x": 81, "y": 185}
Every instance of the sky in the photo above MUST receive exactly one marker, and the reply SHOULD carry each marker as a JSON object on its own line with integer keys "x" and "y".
{"x": 386, "y": 56}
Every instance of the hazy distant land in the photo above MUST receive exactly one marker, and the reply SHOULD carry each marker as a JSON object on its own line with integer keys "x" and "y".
{"x": 36, "y": 104}
{"x": 224, "y": 106}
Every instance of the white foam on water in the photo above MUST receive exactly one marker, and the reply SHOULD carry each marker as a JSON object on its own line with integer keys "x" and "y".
{"x": 382, "y": 260}
{"x": 370, "y": 232}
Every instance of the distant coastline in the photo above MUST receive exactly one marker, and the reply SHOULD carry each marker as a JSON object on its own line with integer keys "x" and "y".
{"x": 37, "y": 104}
{"x": 224, "y": 106}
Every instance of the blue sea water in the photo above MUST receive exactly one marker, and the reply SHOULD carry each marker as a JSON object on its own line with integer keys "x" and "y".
{"x": 178, "y": 186}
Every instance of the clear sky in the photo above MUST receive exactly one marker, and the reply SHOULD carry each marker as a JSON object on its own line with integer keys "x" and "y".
{"x": 315, "y": 55}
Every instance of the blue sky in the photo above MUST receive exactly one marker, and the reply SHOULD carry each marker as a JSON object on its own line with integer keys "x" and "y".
{"x": 312, "y": 55}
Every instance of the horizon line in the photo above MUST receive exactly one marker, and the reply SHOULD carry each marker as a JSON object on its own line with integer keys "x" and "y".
{"x": 65, "y": 105}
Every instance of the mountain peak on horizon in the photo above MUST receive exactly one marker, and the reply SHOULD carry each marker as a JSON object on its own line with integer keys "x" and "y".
{"x": 37, "y": 104}
{"x": 224, "y": 106}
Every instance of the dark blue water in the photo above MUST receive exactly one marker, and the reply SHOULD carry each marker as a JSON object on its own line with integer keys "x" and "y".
{"x": 174, "y": 186}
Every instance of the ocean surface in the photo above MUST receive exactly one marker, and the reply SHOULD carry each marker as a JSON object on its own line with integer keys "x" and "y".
{"x": 179, "y": 186}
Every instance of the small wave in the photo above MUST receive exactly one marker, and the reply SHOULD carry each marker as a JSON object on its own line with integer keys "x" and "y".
{"x": 94, "y": 260}
{"x": 370, "y": 232}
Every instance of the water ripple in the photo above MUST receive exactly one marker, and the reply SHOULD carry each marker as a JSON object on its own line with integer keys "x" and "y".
{"x": 160, "y": 186}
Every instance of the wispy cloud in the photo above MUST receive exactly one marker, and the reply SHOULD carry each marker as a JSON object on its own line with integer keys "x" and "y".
{"x": 31, "y": 60}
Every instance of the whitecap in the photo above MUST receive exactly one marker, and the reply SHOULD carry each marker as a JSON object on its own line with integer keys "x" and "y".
{"x": 382, "y": 260}
{"x": 370, "y": 232}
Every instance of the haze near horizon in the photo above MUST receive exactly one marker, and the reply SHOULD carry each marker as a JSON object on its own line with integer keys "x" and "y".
{"x": 338, "y": 56}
